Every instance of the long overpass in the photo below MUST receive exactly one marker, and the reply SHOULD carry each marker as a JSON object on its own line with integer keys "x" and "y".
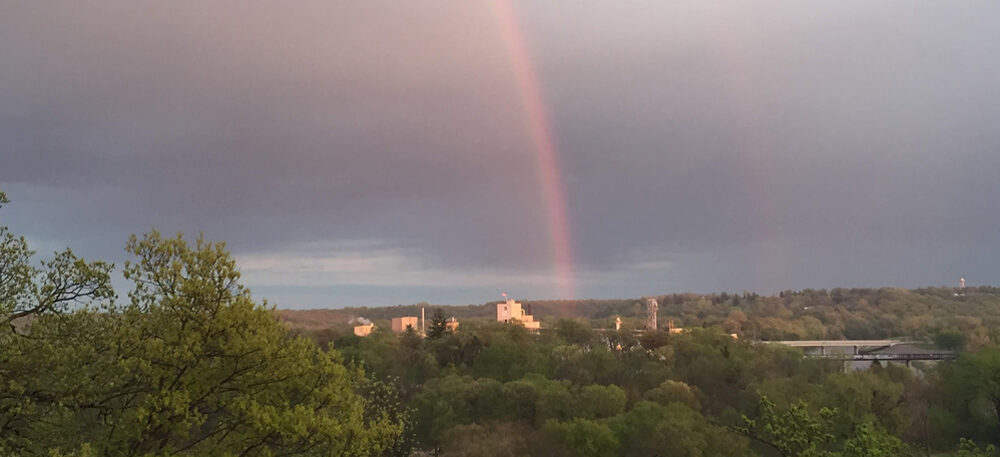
{"x": 868, "y": 350}
{"x": 839, "y": 343}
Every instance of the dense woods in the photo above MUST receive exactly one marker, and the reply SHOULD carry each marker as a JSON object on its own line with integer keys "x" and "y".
{"x": 497, "y": 389}
{"x": 188, "y": 364}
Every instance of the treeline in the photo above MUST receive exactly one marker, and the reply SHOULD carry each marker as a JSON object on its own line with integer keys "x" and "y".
{"x": 953, "y": 318}
{"x": 497, "y": 389}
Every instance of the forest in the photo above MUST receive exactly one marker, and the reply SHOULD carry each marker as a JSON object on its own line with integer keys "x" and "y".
{"x": 573, "y": 389}
{"x": 186, "y": 362}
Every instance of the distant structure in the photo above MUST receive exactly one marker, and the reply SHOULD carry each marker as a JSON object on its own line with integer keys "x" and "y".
{"x": 423, "y": 321}
{"x": 672, "y": 329}
{"x": 961, "y": 283}
{"x": 400, "y": 324}
{"x": 362, "y": 326}
{"x": 651, "y": 308}
{"x": 451, "y": 324}
{"x": 364, "y": 329}
{"x": 512, "y": 311}
{"x": 618, "y": 324}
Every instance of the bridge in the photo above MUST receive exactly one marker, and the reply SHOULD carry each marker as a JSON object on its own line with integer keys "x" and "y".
{"x": 839, "y": 343}
{"x": 869, "y": 350}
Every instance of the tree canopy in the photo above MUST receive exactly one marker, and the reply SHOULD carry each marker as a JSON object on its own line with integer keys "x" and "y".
{"x": 190, "y": 365}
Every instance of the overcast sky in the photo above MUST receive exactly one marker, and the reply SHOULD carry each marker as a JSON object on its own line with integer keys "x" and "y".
{"x": 375, "y": 152}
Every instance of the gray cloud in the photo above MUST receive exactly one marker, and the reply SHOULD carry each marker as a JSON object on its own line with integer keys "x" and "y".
{"x": 720, "y": 146}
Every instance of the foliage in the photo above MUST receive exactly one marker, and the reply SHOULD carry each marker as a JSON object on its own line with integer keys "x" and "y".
{"x": 969, "y": 448}
{"x": 648, "y": 428}
{"x": 950, "y": 339}
{"x": 190, "y": 366}
{"x": 583, "y": 437}
{"x": 871, "y": 441}
{"x": 28, "y": 291}
{"x": 973, "y": 384}
{"x": 671, "y": 391}
{"x": 493, "y": 440}
{"x": 793, "y": 432}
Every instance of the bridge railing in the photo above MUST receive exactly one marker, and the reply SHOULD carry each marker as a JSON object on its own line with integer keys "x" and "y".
{"x": 886, "y": 357}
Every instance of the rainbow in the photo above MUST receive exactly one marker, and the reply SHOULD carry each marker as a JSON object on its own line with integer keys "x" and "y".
{"x": 537, "y": 123}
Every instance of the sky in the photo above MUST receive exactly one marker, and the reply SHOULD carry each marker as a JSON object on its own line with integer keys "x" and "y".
{"x": 385, "y": 152}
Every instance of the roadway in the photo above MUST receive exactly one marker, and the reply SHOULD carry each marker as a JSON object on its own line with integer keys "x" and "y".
{"x": 839, "y": 343}
{"x": 874, "y": 350}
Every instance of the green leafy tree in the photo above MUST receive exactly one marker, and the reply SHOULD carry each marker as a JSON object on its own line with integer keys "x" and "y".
{"x": 383, "y": 402}
{"x": 950, "y": 339}
{"x": 584, "y": 438}
{"x": 441, "y": 406}
{"x": 649, "y": 429}
{"x": 192, "y": 366}
{"x": 575, "y": 332}
{"x": 28, "y": 291}
{"x": 869, "y": 396}
{"x": 794, "y": 432}
{"x": 872, "y": 441}
{"x": 974, "y": 385}
{"x": 555, "y": 400}
{"x": 598, "y": 402}
{"x": 671, "y": 391}
{"x": 969, "y": 448}
{"x": 491, "y": 440}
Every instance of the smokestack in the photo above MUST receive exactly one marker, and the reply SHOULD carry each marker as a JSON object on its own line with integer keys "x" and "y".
{"x": 423, "y": 321}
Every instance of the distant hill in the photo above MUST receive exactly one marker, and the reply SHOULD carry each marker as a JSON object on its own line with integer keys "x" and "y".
{"x": 805, "y": 314}
{"x": 315, "y": 319}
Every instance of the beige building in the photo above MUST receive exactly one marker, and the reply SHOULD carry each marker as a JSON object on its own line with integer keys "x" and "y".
{"x": 672, "y": 329}
{"x": 399, "y": 324}
{"x": 364, "y": 329}
{"x": 513, "y": 311}
{"x": 451, "y": 324}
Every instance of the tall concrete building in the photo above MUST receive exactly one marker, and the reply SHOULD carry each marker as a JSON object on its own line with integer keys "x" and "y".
{"x": 513, "y": 311}
{"x": 400, "y": 324}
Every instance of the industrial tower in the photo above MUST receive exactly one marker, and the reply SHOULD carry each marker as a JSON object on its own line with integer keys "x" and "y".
{"x": 651, "y": 307}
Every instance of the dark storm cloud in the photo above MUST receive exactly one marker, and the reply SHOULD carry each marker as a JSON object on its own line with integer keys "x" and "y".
{"x": 279, "y": 125}
{"x": 376, "y": 152}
